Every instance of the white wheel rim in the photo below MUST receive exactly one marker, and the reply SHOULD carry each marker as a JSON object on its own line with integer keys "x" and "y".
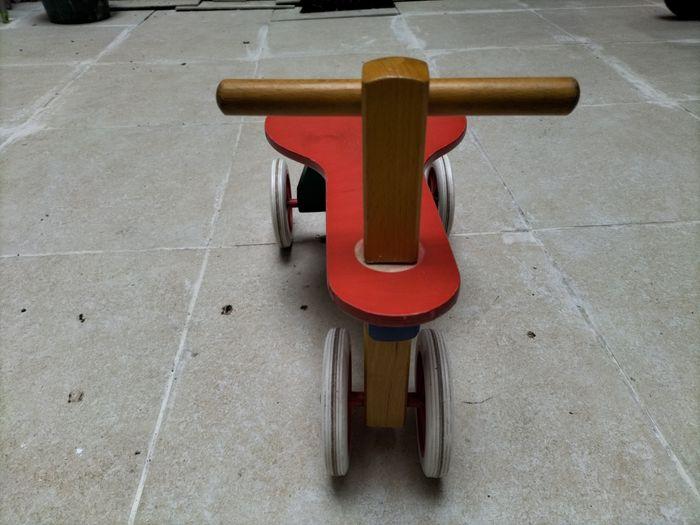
{"x": 435, "y": 453}
{"x": 445, "y": 190}
{"x": 282, "y": 226}
{"x": 334, "y": 400}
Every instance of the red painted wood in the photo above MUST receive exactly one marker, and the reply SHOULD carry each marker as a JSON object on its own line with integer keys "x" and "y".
{"x": 333, "y": 146}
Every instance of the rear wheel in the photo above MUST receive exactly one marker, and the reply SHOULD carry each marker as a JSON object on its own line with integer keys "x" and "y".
{"x": 438, "y": 175}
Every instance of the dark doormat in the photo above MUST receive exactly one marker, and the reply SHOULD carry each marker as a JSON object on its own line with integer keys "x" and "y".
{"x": 321, "y": 6}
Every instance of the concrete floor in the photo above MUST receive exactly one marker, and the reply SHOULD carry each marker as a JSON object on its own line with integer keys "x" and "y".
{"x": 131, "y": 212}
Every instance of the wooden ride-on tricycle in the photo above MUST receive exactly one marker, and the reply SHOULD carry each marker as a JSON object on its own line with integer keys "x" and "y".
{"x": 374, "y": 156}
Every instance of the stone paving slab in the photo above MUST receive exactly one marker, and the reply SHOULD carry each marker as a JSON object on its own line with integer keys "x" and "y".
{"x": 563, "y": 4}
{"x": 79, "y": 461}
{"x": 658, "y": 345}
{"x": 537, "y": 419}
{"x": 340, "y": 36}
{"x": 672, "y": 67}
{"x": 54, "y": 45}
{"x": 599, "y": 83}
{"x": 225, "y": 5}
{"x": 590, "y": 168}
{"x": 207, "y": 36}
{"x": 476, "y": 30}
{"x": 39, "y": 18}
{"x": 186, "y": 95}
{"x": 642, "y": 24}
{"x": 245, "y": 209}
{"x": 439, "y": 6}
{"x": 332, "y": 66}
{"x": 693, "y": 106}
{"x": 150, "y": 4}
{"x": 101, "y": 189}
{"x": 149, "y": 213}
{"x": 24, "y": 87}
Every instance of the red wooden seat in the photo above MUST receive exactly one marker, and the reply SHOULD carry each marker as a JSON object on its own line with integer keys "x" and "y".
{"x": 381, "y": 294}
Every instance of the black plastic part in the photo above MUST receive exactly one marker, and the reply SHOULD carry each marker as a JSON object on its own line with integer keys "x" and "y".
{"x": 311, "y": 191}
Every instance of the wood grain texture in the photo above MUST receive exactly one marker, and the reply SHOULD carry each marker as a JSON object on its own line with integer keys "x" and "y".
{"x": 333, "y": 147}
{"x": 394, "y": 113}
{"x": 386, "y": 381}
{"x": 448, "y": 96}
{"x": 289, "y": 97}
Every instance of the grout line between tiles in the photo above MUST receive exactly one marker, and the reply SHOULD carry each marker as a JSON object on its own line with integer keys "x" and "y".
{"x": 644, "y": 88}
{"x": 614, "y": 104}
{"x": 488, "y": 11}
{"x": 616, "y": 225}
{"x": 178, "y": 365}
{"x": 583, "y": 310}
{"x": 619, "y": 225}
{"x": 33, "y": 123}
{"x": 647, "y": 91}
{"x": 467, "y": 235}
{"x": 404, "y": 34}
{"x": 521, "y": 213}
{"x": 576, "y": 41}
{"x": 249, "y": 244}
{"x": 168, "y": 389}
{"x": 176, "y": 369}
{"x": 178, "y": 62}
{"x": 587, "y": 318}
{"x": 103, "y": 252}
{"x": 261, "y": 48}
{"x": 178, "y": 125}
{"x": 351, "y": 51}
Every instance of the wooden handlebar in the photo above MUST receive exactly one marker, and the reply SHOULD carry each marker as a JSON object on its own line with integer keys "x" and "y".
{"x": 448, "y": 96}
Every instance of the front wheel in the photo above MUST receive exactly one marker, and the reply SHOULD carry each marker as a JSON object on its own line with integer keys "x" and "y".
{"x": 335, "y": 396}
{"x": 434, "y": 414}
{"x": 280, "y": 196}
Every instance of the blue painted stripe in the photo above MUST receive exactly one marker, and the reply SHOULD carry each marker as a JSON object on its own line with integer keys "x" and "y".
{"x": 390, "y": 333}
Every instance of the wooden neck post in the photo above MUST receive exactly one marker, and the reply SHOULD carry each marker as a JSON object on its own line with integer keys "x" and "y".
{"x": 394, "y": 115}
